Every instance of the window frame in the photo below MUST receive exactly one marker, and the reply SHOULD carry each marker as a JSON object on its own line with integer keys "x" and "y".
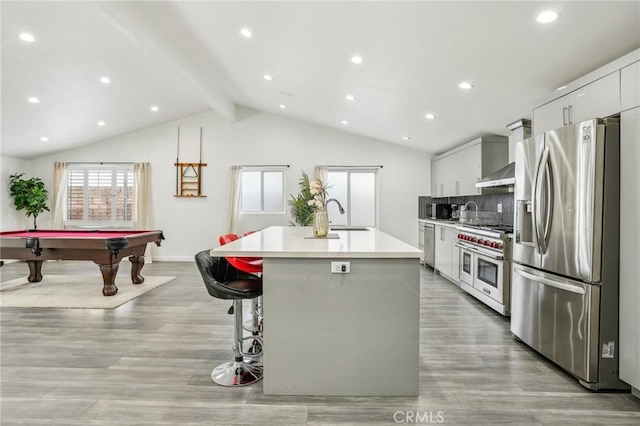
{"x": 262, "y": 171}
{"x": 358, "y": 169}
{"x": 113, "y": 222}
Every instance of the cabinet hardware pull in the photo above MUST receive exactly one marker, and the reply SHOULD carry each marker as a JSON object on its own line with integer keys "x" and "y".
{"x": 569, "y": 114}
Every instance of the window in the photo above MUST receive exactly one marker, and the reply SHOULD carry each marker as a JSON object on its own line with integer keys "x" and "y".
{"x": 99, "y": 196}
{"x": 261, "y": 190}
{"x": 357, "y": 191}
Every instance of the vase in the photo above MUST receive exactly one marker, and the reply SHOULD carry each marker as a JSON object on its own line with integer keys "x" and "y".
{"x": 320, "y": 224}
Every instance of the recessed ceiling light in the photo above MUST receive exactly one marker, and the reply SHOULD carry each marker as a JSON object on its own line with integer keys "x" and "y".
{"x": 101, "y": 123}
{"x": 246, "y": 32}
{"x": 27, "y": 37}
{"x": 406, "y": 138}
{"x": 357, "y": 59}
{"x": 34, "y": 100}
{"x": 105, "y": 80}
{"x": 345, "y": 122}
{"x": 349, "y": 98}
{"x": 268, "y": 77}
{"x": 154, "y": 108}
{"x": 44, "y": 139}
{"x": 562, "y": 87}
{"x": 430, "y": 116}
{"x": 547, "y": 16}
{"x": 465, "y": 85}
{"x": 283, "y": 106}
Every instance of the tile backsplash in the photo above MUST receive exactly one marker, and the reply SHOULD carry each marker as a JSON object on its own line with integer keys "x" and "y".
{"x": 485, "y": 203}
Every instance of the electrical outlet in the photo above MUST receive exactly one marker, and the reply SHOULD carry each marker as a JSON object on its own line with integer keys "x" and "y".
{"x": 499, "y": 208}
{"x": 340, "y": 267}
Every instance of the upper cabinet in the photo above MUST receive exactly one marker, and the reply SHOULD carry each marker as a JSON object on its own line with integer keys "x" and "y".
{"x": 630, "y": 86}
{"x": 456, "y": 172}
{"x": 600, "y": 98}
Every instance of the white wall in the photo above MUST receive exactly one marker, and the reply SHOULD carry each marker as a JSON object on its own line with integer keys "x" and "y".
{"x": 194, "y": 224}
{"x": 10, "y": 218}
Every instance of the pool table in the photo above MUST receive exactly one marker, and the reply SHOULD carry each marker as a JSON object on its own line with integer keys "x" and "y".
{"x": 106, "y": 248}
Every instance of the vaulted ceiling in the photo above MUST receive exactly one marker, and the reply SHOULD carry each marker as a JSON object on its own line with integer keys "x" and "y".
{"x": 190, "y": 57}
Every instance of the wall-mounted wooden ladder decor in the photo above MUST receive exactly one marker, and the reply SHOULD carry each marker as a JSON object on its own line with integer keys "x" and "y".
{"x": 189, "y": 175}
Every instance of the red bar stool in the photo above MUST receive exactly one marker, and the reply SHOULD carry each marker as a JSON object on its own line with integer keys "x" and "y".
{"x": 250, "y": 265}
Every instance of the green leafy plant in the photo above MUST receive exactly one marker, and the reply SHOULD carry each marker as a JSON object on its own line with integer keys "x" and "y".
{"x": 29, "y": 195}
{"x": 301, "y": 211}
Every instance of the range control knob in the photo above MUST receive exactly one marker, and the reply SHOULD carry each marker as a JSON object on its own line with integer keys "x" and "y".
{"x": 487, "y": 242}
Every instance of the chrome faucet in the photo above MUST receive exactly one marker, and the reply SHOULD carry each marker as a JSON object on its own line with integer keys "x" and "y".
{"x": 340, "y": 209}
{"x": 466, "y": 206}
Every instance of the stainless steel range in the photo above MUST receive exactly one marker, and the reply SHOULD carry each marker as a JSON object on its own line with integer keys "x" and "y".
{"x": 485, "y": 264}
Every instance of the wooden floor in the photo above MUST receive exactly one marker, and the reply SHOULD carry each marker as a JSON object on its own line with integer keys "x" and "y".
{"x": 148, "y": 362}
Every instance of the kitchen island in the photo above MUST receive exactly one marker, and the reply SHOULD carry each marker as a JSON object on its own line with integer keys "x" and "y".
{"x": 341, "y": 314}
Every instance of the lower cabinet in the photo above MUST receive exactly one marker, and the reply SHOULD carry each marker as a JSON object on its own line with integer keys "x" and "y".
{"x": 447, "y": 254}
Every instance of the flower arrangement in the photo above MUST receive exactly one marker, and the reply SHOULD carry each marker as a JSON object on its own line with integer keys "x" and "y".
{"x": 319, "y": 191}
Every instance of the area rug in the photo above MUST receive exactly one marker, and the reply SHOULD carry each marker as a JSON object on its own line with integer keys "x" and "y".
{"x": 73, "y": 291}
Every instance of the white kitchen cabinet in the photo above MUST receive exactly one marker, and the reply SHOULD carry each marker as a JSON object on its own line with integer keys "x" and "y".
{"x": 447, "y": 254}
{"x": 421, "y": 239}
{"x": 630, "y": 86}
{"x": 600, "y": 98}
{"x": 436, "y": 176}
{"x": 629, "y": 252}
{"x": 456, "y": 172}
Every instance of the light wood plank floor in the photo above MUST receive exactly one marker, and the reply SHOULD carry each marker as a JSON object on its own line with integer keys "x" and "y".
{"x": 148, "y": 362}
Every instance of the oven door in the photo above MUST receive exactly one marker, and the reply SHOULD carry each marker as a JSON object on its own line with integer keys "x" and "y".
{"x": 466, "y": 266}
{"x": 488, "y": 276}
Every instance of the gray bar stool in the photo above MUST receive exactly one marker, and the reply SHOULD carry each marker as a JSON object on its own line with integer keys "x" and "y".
{"x": 223, "y": 281}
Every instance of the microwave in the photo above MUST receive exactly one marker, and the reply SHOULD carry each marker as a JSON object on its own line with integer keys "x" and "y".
{"x": 439, "y": 211}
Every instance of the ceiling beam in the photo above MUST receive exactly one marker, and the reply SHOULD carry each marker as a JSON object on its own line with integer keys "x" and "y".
{"x": 160, "y": 32}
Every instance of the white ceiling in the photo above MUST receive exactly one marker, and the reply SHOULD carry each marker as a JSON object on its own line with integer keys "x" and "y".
{"x": 189, "y": 57}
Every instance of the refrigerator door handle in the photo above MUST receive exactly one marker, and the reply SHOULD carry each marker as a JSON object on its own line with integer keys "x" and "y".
{"x": 548, "y": 179}
{"x": 537, "y": 214}
{"x": 550, "y": 282}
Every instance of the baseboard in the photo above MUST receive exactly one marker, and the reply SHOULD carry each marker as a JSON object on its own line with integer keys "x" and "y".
{"x": 174, "y": 258}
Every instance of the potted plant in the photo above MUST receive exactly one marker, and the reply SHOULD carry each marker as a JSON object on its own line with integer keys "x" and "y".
{"x": 29, "y": 195}
{"x": 301, "y": 211}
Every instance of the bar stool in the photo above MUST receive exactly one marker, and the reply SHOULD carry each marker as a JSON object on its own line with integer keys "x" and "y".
{"x": 223, "y": 281}
{"x": 251, "y": 265}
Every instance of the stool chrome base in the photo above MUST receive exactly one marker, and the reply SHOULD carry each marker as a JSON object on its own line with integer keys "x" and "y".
{"x": 237, "y": 373}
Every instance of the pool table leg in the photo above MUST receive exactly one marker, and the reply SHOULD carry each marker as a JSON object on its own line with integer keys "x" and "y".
{"x": 137, "y": 262}
{"x": 35, "y": 266}
{"x": 109, "y": 273}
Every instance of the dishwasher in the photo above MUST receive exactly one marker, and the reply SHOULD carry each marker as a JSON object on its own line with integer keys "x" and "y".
{"x": 429, "y": 244}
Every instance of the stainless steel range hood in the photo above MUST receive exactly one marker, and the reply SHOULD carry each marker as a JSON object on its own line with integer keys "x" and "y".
{"x": 503, "y": 177}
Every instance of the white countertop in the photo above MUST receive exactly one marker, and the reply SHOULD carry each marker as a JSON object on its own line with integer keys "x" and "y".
{"x": 290, "y": 241}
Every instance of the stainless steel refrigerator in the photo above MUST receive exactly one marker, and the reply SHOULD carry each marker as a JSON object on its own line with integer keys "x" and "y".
{"x": 564, "y": 294}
